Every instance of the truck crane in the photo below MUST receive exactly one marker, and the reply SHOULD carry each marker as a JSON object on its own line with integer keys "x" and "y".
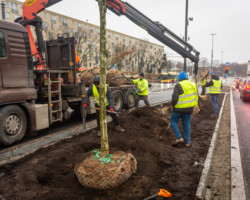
{"x": 38, "y": 81}
{"x": 155, "y": 29}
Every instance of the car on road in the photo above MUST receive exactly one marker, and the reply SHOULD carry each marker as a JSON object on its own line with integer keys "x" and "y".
{"x": 245, "y": 90}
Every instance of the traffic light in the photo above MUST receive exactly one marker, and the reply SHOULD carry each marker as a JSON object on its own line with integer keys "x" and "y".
{"x": 226, "y": 70}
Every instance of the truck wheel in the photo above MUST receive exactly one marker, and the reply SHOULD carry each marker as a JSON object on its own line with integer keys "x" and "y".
{"x": 117, "y": 100}
{"x": 129, "y": 98}
{"x": 13, "y": 124}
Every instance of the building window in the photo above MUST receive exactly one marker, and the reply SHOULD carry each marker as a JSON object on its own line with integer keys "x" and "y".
{"x": 84, "y": 35}
{"x": 73, "y": 23}
{"x": 112, "y": 42}
{"x": 109, "y": 34}
{"x": 65, "y": 23}
{"x": 116, "y": 36}
{"x": 98, "y": 31}
{"x": 90, "y": 30}
{"x": 14, "y": 8}
{"x": 2, "y": 46}
{"x": 45, "y": 26}
{"x": 53, "y": 19}
{"x": 60, "y": 19}
{"x": 7, "y": 4}
{"x": 45, "y": 15}
{"x": 59, "y": 28}
{"x": 79, "y": 26}
{"x": 7, "y": 15}
{"x": 74, "y": 32}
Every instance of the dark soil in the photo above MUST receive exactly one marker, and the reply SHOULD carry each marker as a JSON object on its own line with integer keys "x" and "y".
{"x": 48, "y": 173}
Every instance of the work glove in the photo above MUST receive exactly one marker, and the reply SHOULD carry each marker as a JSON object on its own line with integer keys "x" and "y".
{"x": 136, "y": 92}
{"x": 112, "y": 109}
{"x": 85, "y": 105}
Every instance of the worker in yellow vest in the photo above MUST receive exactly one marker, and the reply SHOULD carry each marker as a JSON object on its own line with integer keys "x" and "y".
{"x": 184, "y": 99}
{"x": 203, "y": 83}
{"x": 142, "y": 85}
{"x": 94, "y": 90}
{"x": 215, "y": 86}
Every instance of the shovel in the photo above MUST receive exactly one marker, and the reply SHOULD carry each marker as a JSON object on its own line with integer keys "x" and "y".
{"x": 161, "y": 193}
{"x": 109, "y": 111}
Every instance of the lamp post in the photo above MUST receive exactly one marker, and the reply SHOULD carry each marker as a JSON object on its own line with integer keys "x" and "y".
{"x": 212, "y": 34}
{"x": 186, "y": 29}
{"x": 3, "y": 10}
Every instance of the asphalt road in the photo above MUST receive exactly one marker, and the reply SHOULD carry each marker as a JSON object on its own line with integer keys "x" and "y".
{"x": 242, "y": 113}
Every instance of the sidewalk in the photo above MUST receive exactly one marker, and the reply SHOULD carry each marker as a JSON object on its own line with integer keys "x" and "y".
{"x": 222, "y": 176}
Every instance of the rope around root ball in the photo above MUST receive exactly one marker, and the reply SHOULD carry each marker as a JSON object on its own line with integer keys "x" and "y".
{"x": 105, "y": 159}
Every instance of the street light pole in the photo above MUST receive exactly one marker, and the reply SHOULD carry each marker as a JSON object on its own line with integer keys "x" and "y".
{"x": 3, "y": 10}
{"x": 186, "y": 27}
{"x": 213, "y": 34}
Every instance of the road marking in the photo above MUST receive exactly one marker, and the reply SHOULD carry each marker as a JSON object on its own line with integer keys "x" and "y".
{"x": 202, "y": 187}
{"x": 238, "y": 191}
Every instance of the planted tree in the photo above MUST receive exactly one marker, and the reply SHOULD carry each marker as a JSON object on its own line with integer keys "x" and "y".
{"x": 101, "y": 170}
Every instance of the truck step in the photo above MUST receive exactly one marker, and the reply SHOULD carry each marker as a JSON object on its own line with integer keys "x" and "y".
{"x": 56, "y": 101}
{"x": 56, "y": 120}
{"x": 56, "y": 111}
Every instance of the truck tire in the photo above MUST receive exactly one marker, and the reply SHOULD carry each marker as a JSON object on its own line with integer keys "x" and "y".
{"x": 117, "y": 100}
{"x": 129, "y": 98}
{"x": 13, "y": 124}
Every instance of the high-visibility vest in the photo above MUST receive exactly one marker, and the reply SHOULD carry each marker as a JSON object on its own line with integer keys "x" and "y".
{"x": 215, "y": 88}
{"x": 203, "y": 82}
{"x": 190, "y": 97}
{"x": 97, "y": 96}
{"x": 142, "y": 85}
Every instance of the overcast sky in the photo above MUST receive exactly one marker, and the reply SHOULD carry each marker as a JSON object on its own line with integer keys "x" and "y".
{"x": 229, "y": 19}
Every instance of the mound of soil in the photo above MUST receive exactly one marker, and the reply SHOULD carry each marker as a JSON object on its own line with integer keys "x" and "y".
{"x": 48, "y": 173}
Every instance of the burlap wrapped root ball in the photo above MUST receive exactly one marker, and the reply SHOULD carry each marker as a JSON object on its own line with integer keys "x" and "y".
{"x": 93, "y": 173}
{"x": 112, "y": 73}
{"x": 88, "y": 75}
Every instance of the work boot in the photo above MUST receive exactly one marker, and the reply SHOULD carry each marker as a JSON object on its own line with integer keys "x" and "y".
{"x": 119, "y": 129}
{"x": 178, "y": 141}
{"x": 187, "y": 145}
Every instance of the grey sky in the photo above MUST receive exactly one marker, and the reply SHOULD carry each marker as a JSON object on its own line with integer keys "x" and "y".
{"x": 229, "y": 19}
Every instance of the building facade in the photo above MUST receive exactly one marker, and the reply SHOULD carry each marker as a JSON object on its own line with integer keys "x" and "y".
{"x": 125, "y": 52}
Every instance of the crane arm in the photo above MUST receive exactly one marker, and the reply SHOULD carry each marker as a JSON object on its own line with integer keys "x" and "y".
{"x": 155, "y": 29}
{"x": 30, "y": 18}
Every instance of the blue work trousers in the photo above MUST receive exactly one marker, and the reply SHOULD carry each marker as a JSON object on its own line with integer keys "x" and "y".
{"x": 186, "y": 119}
{"x": 215, "y": 103}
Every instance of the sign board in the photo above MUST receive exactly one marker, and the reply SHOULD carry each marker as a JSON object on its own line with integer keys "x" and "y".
{"x": 227, "y": 63}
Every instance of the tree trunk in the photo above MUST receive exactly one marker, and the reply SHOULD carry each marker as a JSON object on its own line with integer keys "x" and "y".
{"x": 103, "y": 64}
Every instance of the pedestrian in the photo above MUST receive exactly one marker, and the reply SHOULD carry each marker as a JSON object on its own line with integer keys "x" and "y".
{"x": 184, "y": 99}
{"x": 94, "y": 90}
{"x": 142, "y": 92}
{"x": 215, "y": 86}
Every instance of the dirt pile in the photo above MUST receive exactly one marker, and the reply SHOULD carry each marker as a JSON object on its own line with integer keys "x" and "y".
{"x": 48, "y": 173}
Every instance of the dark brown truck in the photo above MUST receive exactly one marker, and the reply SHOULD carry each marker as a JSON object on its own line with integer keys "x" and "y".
{"x": 33, "y": 100}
